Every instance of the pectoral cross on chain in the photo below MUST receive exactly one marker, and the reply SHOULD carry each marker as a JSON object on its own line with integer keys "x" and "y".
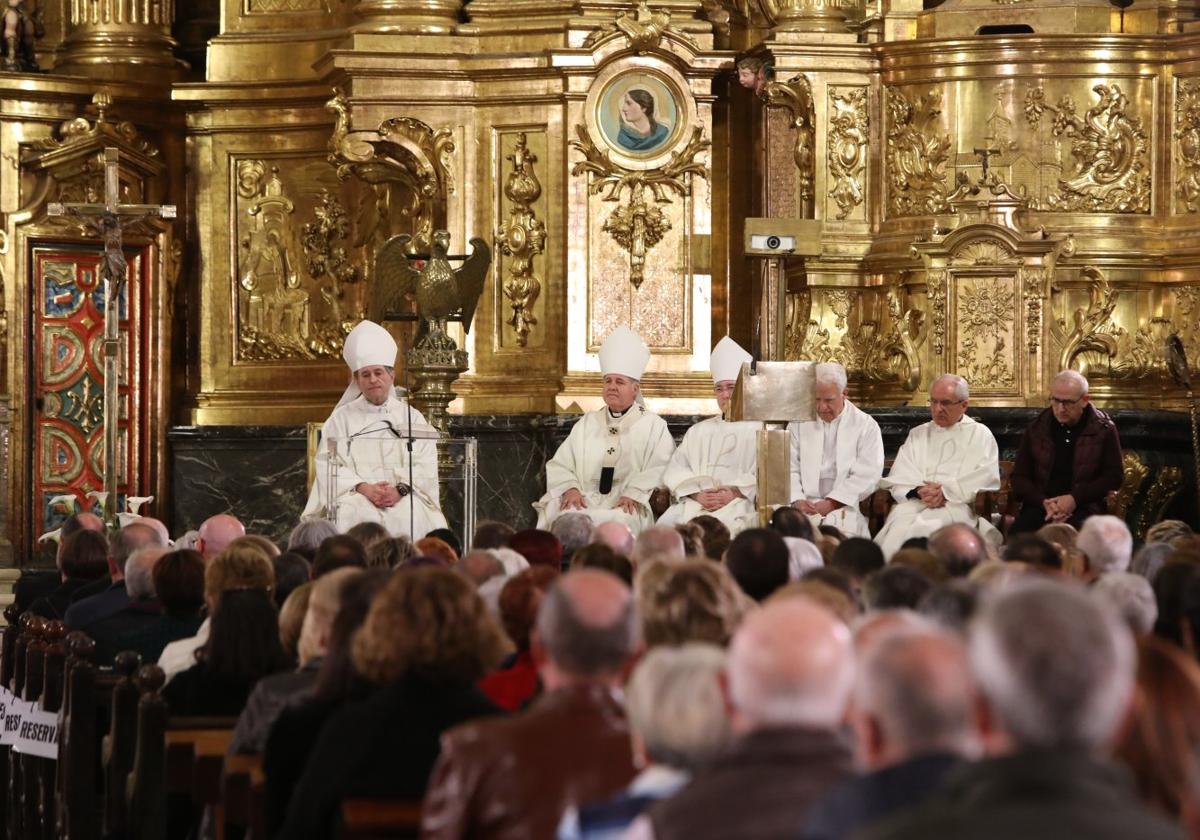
{"x": 985, "y": 155}
{"x": 107, "y": 221}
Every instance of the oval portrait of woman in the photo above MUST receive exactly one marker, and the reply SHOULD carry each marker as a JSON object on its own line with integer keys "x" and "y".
{"x": 638, "y": 114}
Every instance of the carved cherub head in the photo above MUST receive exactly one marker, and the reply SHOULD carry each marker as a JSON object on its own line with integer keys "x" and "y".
{"x": 752, "y": 73}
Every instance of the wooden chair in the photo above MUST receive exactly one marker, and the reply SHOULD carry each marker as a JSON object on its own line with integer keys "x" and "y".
{"x": 879, "y": 504}
{"x": 380, "y": 819}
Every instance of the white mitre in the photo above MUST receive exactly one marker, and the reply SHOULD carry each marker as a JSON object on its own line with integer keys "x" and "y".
{"x": 367, "y": 345}
{"x": 727, "y": 359}
{"x": 624, "y": 353}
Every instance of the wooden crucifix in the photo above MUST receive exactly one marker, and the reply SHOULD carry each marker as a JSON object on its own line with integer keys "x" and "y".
{"x": 107, "y": 221}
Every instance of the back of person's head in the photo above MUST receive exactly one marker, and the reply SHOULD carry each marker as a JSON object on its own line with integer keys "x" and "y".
{"x": 437, "y": 547}
{"x": 429, "y": 623}
{"x": 307, "y": 537}
{"x": 790, "y": 664}
{"x": 1167, "y": 531}
{"x": 133, "y": 537}
{"x": 951, "y": 604}
{"x": 858, "y": 557}
{"x": 895, "y": 587}
{"x": 803, "y": 557}
{"x": 243, "y": 637}
{"x": 1106, "y": 542}
{"x": 84, "y": 556}
{"x": 268, "y": 547}
{"x": 1131, "y": 596}
{"x": 1150, "y": 558}
{"x": 77, "y": 522}
{"x": 715, "y": 536}
{"x": 693, "y": 601}
{"x": 390, "y": 553}
{"x": 1027, "y": 548}
{"x": 291, "y": 621}
{"x": 1170, "y": 585}
{"x": 519, "y": 602}
{"x": 758, "y": 559}
{"x": 835, "y": 578}
{"x": 614, "y": 534}
{"x": 676, "y": 708}
{"x": 921, "y": 543}
{"x": 789, "y": 522}
{"x": 291, "y": 572}
{"x": 914, "y": 696}
{"x": 179, "y": 582}
{"x": 479, "y": 565}
{"x": 336, "y": 552}
{"x": 492, "y": 534}
{"x": 1061, "y": 534}
{"x": 1056, "y": 667}
{"x": 540, "y": 548}
{"x": 337, "y": 678}
{"x": 692, "y": 536}
{"x": 368, "y": 533}
{"x": 238, "y": 567}
{"x": 573, "y": 530}
{"x": 959, "y": 547}
{"x": 322, "y": 603}
{"x": 658, "y": 544}
{"x": 922, "y": 560}
{"x": 601, "y": 556}
{"x": 1160, "y": 744}
{"x": 216, "y": 533}
{"x": 139, "y": 572}
{"x": 449, "y": 538}
{"x": 840, "y": 602}
{"x": 588, "y": 626}
{"x": 830, "y": 532}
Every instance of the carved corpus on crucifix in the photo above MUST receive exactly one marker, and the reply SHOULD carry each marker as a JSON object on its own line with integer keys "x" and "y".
{"x": 107, "y": 221}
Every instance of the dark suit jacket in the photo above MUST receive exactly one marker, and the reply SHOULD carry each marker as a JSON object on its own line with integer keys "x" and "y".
{"x": 53, "y": 605}
{"x": 382, "y": 747}
{"x": 1096, "y": 470}
{"x": 1036, "y": 795}
{"x": 265, "y": 703}
{"x": 85, "y": 611}
{"x": 122, "y": 631}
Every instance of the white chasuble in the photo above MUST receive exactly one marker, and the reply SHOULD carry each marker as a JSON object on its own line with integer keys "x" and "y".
{"x": 371, "y": 452}
{"x": 636, "y": 446}
{"x": 963, "y": 459}
{"x": 714, "y": 454}
{"x": 856, "y": 469}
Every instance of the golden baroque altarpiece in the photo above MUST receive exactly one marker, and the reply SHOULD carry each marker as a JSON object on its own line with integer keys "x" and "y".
{"x": 1005, "y": 189}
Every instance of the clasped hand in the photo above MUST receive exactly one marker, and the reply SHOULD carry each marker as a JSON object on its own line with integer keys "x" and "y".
{"x": 572, "y": 499}
{"x": 381, "y": 493}
{"x": 716, "y": 498}
{"x": 824, "y": 507}
{"x": 931, "y": 494}
{"x": 1059, "y": 508}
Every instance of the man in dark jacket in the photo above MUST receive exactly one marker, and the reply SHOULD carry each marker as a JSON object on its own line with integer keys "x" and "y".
{"x": 1068, "y": 461}
{"x": 514, "y": 777}
{"x": 1056, "y": 671}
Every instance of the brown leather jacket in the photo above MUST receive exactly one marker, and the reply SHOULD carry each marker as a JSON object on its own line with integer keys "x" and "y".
{"x": 513, "y": 777}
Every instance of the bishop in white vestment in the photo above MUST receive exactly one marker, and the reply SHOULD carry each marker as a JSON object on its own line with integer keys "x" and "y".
{"x": 614, "y": 457}
{"x": 837, "y": 459}
{"x": 714, "y": 469}
{"x": 369, "y": 427}
{"x": 939, "y": 470}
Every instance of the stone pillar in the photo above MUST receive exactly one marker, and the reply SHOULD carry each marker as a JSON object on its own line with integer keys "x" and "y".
{"x": 407, "y": 16}
{"x": 120, "y": 40}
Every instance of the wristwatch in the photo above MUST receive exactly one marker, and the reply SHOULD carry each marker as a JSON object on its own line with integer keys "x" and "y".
{"x": 402, "y": 489}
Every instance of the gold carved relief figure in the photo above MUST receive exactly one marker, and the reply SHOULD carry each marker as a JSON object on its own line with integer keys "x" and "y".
{"x": 917, "y": 154}
{"x": 522, "y": 238}
{"x": 987, "y": 314}
{"x": 847, "y": 148}
{"x": 274, "y": 303}
{"x": 1187, "y": 145}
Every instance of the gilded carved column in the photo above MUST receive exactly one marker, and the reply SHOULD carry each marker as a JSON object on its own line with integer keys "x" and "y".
{"x": 120, "y": 39}
{"x": 407, "y": 16}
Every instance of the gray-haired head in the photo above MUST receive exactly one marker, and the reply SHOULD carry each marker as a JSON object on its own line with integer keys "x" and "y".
{"x": 1056, "y": 667}
{"x": 1106, "y": 542}
{"x": 830, "y": 373}
{"x": 1150, "y": 558}
{"x": 139, "y": 572}
{"x": 961, "y": 390}
{"x": 574, "y": 531}
{"x": 676, "y": 707}
{"x": 658, "y": 543}
{"x": 309, "y": 534}
{"x": 1073, "y": 378}
{"x": 1167, "y": 531}
{"x": 1131, "y": 596}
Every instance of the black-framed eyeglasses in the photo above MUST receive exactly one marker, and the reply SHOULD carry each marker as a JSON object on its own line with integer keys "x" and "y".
{"x": 945, "y": 403}
{"x": 1063, "y": 403}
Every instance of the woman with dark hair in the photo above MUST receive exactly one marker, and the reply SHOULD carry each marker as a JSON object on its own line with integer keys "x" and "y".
{"x": 426, "y": 640}
{"x": 640, "y": 131}
{"x": 83, "y": 559}
{"x": 789, "y": 522}
{"x": 515, "y": 684}
{"x": 540, "y": 548}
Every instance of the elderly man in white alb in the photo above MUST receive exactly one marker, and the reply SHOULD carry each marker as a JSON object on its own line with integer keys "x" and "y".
{"x": 940, "y": 468}
{"x": 370, "y": 426}
{"x": 837, "y": 459}
{"x": 614, "y": 457}
{"x": 713, "y": 470}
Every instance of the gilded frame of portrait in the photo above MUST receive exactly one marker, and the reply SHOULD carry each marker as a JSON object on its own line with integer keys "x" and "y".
{"x": 640, "y": 113}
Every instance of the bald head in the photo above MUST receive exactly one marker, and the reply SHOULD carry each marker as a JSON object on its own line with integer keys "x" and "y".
{"x": 615, "y": 535}
{"x": 216, "y": 533}
{"x": 158, "y": 525}
{"x": 587, "y": 625}
{"x": 75, "y": 523}
{"x": 960, "y": 548}
{"x": 790, "y": 664}
{"x": 657, "y": 543}
{"x": 872, "y": 629}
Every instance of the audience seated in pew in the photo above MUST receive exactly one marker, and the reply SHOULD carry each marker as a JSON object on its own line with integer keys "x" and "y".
{"x": 82, "y": 558}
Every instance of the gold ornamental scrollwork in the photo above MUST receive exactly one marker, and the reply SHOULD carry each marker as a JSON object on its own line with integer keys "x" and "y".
{"x": 1035, "y": 284}
{"x": 917, "y": 154}
{"x": 795, "y": 95}
{"x": 1187, "y": 143}
{"x": 1088, "y": 328}
{"x": 847, "y": 148}
{"x": 403, "y": 153}
{"x": 82, "y": 129}
{"x": 522, "y": 238}
{"x": 1110, "y": 149}
{"x": 642, "y": 28}
{"x": 638, "y": 224}
{"x": 937, "y": 294}
{"x": 986, "y": 309}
